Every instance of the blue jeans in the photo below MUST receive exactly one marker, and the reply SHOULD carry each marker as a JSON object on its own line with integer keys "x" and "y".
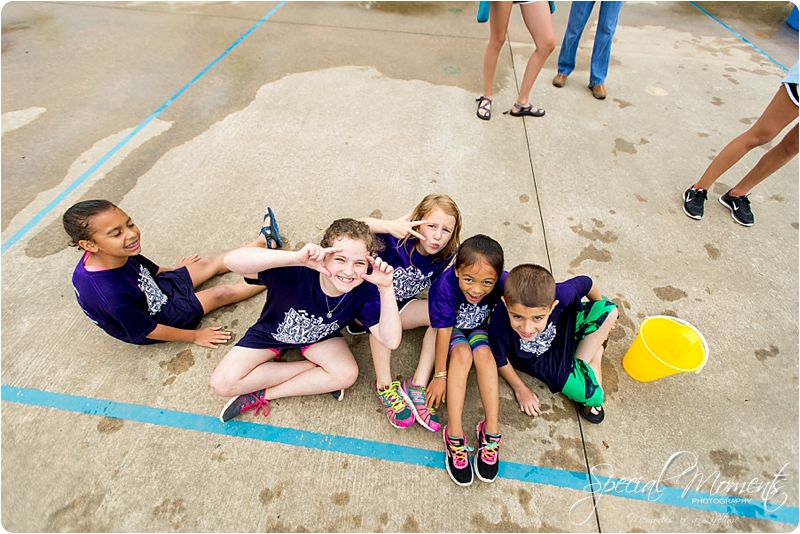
{"x": 601, "y": 52}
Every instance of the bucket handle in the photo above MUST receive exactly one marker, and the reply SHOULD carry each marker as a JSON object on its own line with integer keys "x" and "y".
{"x": 698, "y": 332}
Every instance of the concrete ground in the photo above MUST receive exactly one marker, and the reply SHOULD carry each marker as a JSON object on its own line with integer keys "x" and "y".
{"x": 326, "y": 110}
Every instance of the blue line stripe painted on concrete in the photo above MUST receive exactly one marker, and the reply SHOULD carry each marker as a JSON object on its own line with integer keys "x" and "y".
{"x": 740, "y": 36}
{"x": 82, "y": 178}
{"x": 384, "y": 451}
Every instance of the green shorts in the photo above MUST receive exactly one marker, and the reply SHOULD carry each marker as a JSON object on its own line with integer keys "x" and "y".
{"x": 581, "y": 384}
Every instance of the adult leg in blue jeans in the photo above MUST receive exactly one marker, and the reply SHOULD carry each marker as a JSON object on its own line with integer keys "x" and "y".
{"x": 601, "y": 52}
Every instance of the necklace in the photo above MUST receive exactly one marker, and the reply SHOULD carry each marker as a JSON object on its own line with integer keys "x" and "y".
{"x": 330, "y": 311}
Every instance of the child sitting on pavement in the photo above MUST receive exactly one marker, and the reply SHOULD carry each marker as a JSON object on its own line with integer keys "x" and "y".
{"x": 311, "y": 295}
{"x": 545, "y": 330}
{"x": 419, "y": 246}
{"x": 133, "y": 299}
{"x": 460, "y": 303}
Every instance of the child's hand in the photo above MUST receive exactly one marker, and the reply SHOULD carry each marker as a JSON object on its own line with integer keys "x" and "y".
{"x": 313, "y": 255}
{"x": 528, "y": 401}
{"x": 381, "y": 273}
{"x": 188, "y": 260}
{"x": 437, "y": 391}
{"x": 211, "y": 336}
{"x": 403, "y": 226}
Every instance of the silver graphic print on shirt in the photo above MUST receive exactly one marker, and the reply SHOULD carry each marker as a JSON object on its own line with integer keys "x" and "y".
{"x": 409, "y": 282}
{"x": 301, "y": 329}
{"x": 155, "y": 297}
{"x": 471, "y": 315}
{"x": 540, "y": 343}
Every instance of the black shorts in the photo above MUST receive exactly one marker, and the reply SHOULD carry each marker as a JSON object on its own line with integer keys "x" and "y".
{"x": 183, "y": 309}
{"x": 791, "y": 89}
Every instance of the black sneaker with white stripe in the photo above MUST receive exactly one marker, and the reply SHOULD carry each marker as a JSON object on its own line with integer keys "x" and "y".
{"x": 740, "y": 208}
{"x": 693, "y": 201}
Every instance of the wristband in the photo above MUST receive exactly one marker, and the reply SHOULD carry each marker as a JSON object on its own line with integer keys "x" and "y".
{"x": 443, "y": 374}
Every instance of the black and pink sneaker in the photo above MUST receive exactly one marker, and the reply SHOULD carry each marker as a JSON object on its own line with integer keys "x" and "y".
{"x": 487, "y": 459}
{"x": 456, "y": 459}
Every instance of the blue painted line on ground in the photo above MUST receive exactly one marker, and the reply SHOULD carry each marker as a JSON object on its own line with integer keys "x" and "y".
{"x": 561, "y": 478}
{"x": 740, "y": 36}
{"x": 82, "y": 178}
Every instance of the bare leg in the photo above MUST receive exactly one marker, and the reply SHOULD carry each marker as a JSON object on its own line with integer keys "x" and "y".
{"x": 414, "y": 315}
{"x": 777, "y": 157}
{"x": 216, "y": 297}
{"x": 244, "y": 370}
{"x": 457, "y": 372}
{"x": 498, "y": 25}
{"x": 590, "y": 349}
{"x": 381, "y": 360}
{"x": 779, "y": 113}
{"x": 486, "y": 369}
{"x": 427, "y": 358}
{"x": 335, "y": 369}
{"x": 540, "y": 25}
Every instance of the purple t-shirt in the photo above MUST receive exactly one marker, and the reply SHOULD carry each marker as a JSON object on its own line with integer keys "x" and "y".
{"x": 548, "y": 356}
{"x": 448, "y": 307}
{"x": 413, "y": 272}
{"x": 296, "y": 311}
{"x": 125, "y": 301}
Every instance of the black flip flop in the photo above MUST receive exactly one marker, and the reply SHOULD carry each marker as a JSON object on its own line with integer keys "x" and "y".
{"x": 586, "y": 412}
{"x": 482, "y": 106}
{"x": 270, "y": 231}
{"x": 526, "y": 111}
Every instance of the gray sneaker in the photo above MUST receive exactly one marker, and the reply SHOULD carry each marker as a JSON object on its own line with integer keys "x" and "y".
{"x": 244, "y": 403}
{"x": 740, "y": 208}
{"x": 693, "y": 201}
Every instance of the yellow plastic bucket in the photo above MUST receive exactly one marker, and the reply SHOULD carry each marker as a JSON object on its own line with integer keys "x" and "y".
{"x": 665, "y": 346}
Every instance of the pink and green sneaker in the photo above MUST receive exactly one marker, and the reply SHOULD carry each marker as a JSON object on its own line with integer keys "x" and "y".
{"x": 399, "y": 415}
{"x": 415, "y": 399}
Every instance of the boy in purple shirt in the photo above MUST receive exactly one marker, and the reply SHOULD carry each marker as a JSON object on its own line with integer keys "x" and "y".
{"x": 545, "y": 329}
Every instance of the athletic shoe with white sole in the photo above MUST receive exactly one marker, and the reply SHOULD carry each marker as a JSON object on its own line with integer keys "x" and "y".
{"x": 740, "y": 208}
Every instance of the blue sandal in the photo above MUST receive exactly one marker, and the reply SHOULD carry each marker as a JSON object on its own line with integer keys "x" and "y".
{"x": 270, "y": 229}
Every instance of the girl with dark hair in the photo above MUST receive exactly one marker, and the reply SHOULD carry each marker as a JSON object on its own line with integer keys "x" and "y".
{"x": 460, "y": 302}
{"x": 133, "y": 299}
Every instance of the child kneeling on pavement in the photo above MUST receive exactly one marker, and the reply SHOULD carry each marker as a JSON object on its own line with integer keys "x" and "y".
{"x": 546, "y": 330}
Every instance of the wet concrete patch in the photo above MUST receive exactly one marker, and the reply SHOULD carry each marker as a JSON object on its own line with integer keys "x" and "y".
{"x": 713, "y": 252}
{"x": 591, "y": 253}
{"x": 340, "y": 499}
{"x": 524, "y": 198}
{"x": 109, "y": 425}
{"x": 610, "y": 377}
{"x": 511, "y": 415}
{"x": 524, "y": 497}
{"x": 410, "y": 525}
{"x": 570, "y": 454}
{"x": 181, "y": 363}
{"x": 669, "y": 293}
{"x": 403, "y": 8}
{"x": 527, "y": 227}
{"x": 763, "y": 354}
{"x": 78, "y": 515}
{"x": 268, "y": 495}
{"x": 172, "y": 511}
{"x": 726, "y": 460}
{"x": 595, "y": 234}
